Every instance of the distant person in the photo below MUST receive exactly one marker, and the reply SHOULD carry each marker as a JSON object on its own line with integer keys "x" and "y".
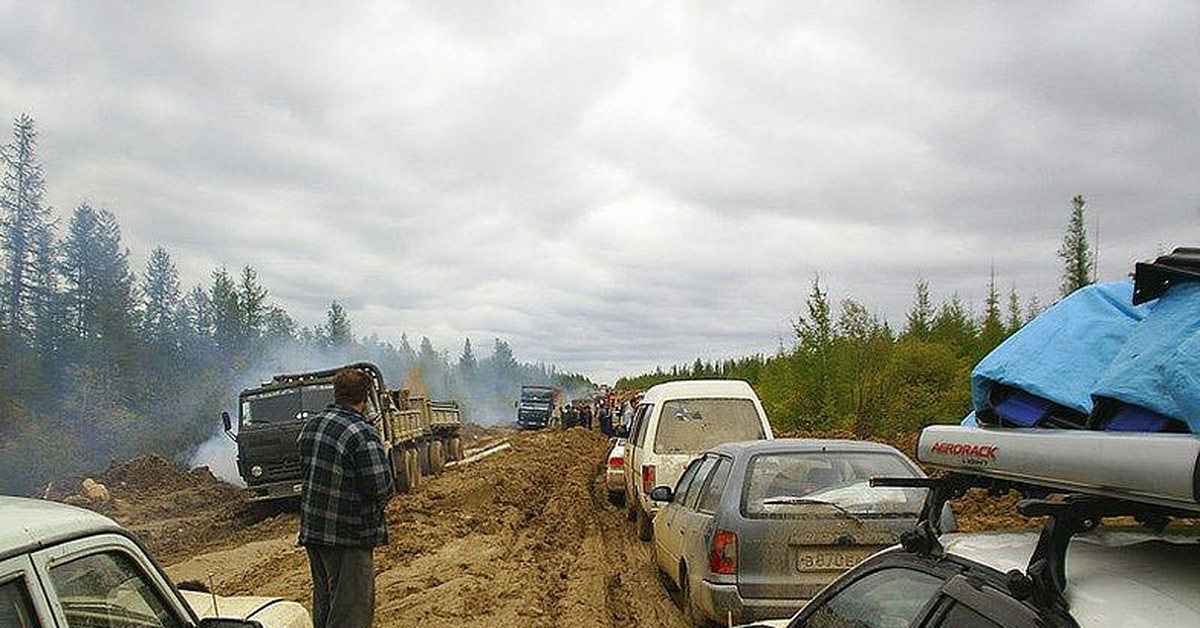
{"x": 346, "y": 485}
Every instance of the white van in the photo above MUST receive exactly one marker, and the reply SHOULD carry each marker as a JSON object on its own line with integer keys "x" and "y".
{"x": 678, "y": 421}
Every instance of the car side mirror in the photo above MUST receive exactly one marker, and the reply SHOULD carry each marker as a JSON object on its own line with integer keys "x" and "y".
{"x": 221, "y": 622}
{"x": 226, "y": 421}
{"x": 621, "y": 431}
{"x": 661, "y": 494}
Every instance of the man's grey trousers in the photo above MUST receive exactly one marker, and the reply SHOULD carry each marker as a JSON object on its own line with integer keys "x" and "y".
{"x": 343, "y": 586}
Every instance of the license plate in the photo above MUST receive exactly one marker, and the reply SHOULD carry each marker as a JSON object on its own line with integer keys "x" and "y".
{"x": 828, "y": 560}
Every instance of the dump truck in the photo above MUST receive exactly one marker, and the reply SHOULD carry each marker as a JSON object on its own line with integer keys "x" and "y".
{"x": 419, "y": 435}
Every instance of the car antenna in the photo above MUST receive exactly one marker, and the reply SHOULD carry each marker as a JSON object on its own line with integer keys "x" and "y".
{"x": 213, "y": 592}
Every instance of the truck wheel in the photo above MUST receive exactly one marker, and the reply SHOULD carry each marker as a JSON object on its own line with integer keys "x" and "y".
{"x": 437, "y": 459}
{"x": 399, "y": 470}
{"x": 645, "y": 526}
{"x": 423, "y": 458}
{"x": 414, "y": 468}
{"x": 456, "y": 448}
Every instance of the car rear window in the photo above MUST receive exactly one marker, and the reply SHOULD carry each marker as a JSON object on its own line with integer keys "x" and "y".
{"x": 694, "y": 425}
{"x": 805, "y": 484}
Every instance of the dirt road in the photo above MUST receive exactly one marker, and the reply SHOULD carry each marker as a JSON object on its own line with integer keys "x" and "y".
{"x": 525, "y": 537}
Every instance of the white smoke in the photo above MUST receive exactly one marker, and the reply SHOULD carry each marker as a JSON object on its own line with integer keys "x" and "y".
{"x": 219, "y": 454}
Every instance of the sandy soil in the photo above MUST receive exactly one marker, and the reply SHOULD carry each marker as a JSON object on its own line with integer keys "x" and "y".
{"x": 525, "y": 537}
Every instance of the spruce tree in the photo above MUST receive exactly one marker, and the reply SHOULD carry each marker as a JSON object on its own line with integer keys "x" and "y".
{"x": 920, "y": 316}
{"x": 26, "y": 227}
{"x": 161, "y": 299}
{"x": 337, "y": 326}
{"x": 1075, "y": 252}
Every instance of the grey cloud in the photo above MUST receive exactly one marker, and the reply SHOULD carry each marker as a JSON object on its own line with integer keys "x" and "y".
{"x": 613, "y": 187}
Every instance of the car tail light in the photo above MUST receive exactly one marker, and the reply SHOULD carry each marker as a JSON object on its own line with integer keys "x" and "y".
{"x": 722, "y": 555}
{"x": 616, "y": 461}
{"x": 648, "y": 478}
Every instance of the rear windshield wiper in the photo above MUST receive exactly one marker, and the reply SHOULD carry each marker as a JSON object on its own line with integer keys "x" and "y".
{"x": 796, "y": 501}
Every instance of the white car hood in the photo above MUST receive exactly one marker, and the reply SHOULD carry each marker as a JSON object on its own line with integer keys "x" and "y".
{"x": 271, "y": 612}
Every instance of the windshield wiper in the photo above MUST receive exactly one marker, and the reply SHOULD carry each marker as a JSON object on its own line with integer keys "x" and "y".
{"x": 785, "y": 500}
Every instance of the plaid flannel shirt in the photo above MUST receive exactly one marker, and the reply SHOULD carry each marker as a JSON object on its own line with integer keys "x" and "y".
{"x": 346, "y": 481}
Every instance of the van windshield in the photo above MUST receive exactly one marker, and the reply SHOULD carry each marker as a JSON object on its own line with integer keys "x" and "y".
{"x": 695, "y": 425}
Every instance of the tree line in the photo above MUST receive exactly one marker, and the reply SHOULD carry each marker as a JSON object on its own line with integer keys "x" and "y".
{"x": 100, "y": 362}
{"x": 850, "y": 370}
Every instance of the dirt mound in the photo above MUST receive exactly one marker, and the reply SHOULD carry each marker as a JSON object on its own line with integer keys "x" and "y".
{"x": 177, "y": 512}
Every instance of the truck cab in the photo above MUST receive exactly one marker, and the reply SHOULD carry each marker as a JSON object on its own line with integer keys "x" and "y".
{"x": 270, "y": 418}
{"x": 536, "y": 407}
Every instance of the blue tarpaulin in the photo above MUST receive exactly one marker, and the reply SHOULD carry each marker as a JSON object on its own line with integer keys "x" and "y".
{"x": 1061, "y": 354}
{"x": 1095, "y": 346}
{"x": 1158, "y": 368}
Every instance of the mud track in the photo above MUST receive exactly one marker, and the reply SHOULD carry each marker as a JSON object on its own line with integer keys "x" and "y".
{"x": 525, "y": 537}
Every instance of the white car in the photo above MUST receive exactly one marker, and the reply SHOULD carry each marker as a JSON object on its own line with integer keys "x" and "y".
{"x": 66, "y": 566}
{"x": 1114, "y": 578}
{"x": 675, "y": 423}
{"x": 614, "y": 472}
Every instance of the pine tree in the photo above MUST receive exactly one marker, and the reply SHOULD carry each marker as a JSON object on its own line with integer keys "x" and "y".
{"x": 920, "y": 316}
{"x": 27, "y": 228}
{"x": 161, "y": 298}
{"x": 815, "y": 332}
{"x": 252, "y": 304}
{"x": 226, "y": 312}
{"x": 279, "y": 325}
{"x": 991, "y": 332}
{"x": 467, "y": 364}
{"x": 1014, "y": 312}
{"x": 1075, "y": 252}
{"x": 337, "y": 326}
{"x": 98, "y": 285}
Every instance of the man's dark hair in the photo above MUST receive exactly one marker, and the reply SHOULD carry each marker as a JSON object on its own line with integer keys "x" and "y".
{"x": 350, "y": 386}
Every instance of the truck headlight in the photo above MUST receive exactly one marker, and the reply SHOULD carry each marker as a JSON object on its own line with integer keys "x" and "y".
{"x": 256, "y": 471}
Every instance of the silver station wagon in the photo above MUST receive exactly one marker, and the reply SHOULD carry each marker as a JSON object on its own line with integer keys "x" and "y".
{"x": 753, "y": 530}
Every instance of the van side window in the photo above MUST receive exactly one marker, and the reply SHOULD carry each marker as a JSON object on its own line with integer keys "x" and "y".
{"x": 641, "y": 419}
{"x": 109, "y": 589}
{"x": 16, "y": 608}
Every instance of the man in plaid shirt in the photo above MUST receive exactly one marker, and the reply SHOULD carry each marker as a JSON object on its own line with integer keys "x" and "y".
{"x": 347, "y": 482}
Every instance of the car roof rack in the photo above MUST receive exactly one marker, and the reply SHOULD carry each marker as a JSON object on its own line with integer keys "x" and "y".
{"x": 1150, "y": 477}
{"x": 1151, "y": 280}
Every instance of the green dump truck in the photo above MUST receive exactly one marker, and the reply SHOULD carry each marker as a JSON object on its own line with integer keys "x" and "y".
{"x": 419, "y": 435}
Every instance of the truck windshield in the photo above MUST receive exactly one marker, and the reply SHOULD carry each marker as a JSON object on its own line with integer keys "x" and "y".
{"x": 694, "y": 425}
{"x": 287, "y": 405}
{"x": 536, "y": 396}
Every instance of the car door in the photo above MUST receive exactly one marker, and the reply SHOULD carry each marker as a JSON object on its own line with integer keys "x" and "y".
{"x": 686, "y": 521}
{"x": 699, "y": 528}
{"x": 666, "y": 538}
{"x": 22, "y": 604}
{"x": 106, "y": 580}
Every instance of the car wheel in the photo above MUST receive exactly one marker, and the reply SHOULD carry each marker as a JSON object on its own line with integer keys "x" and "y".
{"x": 399, "y": 470}
{"x": 691, "y": 615}
{"x": 645, "y": 526}
{"x": 617, "y": 498}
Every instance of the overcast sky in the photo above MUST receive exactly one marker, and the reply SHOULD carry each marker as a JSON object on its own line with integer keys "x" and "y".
{"x": 611, "y": 186}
